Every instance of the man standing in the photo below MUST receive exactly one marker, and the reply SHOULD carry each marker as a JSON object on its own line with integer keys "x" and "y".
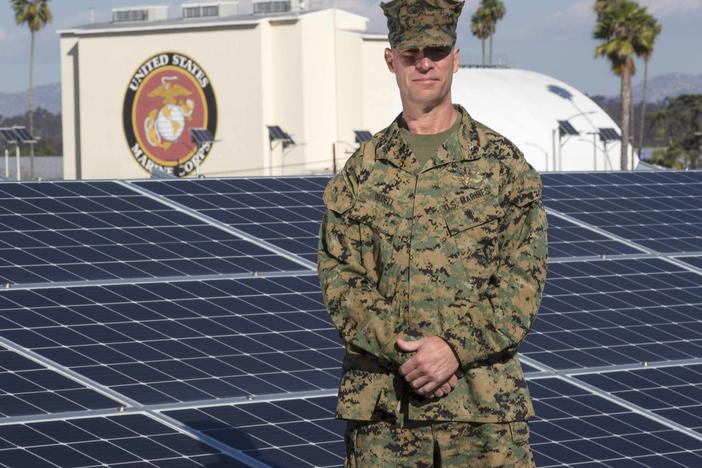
{"x": 432, "y": 261}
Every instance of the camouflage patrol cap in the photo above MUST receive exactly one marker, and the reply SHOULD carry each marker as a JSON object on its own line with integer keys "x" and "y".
{"x": 422, "y": 23}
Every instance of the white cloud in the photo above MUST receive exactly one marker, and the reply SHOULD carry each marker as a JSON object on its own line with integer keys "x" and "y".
{"x": 663, "y": 8}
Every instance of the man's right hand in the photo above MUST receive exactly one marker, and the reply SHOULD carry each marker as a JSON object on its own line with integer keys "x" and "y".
{"x": 446, "y": 387}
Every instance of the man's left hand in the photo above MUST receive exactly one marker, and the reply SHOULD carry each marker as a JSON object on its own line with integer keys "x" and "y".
{"x": 433, "y": 364}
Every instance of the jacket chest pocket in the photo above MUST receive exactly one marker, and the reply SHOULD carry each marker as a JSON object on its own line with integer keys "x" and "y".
{"x": 472, "y": 217}
{"x": 382, "y": 241}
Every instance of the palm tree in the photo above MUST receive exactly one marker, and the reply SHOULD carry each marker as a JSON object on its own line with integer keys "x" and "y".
{"x": 496, "y": 11}
{"x": 653, "y": 29}
{"x": 35, "y": 14}
{"x": 481, "y": 26}
{"x": 621, "y": 25}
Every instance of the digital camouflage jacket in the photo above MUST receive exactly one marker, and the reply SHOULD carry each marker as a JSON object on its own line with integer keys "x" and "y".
{"x": 455, "y": 249}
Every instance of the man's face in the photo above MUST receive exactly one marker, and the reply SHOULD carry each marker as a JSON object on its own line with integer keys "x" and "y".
{"x": 423, "y": 75}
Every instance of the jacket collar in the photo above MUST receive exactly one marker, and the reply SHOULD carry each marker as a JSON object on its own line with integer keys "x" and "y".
{"x": 464, "y": 145}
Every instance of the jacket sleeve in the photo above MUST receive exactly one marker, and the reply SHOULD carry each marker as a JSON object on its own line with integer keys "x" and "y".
{"x": 366, "y": 320}
{"x": 501, "y": 319}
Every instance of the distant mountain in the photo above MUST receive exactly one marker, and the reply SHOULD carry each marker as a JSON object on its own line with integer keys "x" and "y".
{"x": 668, "y": 86}
{"x": 46, "y": 96}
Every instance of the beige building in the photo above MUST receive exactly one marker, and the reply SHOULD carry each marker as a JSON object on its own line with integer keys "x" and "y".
{"x": 282, "y": 91}
{"x": 134, "y": 88}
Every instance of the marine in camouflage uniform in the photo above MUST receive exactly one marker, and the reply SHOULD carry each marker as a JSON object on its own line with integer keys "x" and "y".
{"x": 454, "y": 248}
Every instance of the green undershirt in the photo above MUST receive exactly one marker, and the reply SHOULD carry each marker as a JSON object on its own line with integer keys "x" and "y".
{"x": 424, "y": 147}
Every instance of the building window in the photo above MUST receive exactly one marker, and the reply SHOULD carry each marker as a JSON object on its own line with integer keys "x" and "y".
{"x": 210, "y": 10}
{"x": 274, "y": 6}
{"x": 129, "y": 15}
{"x": 191, "y": 12}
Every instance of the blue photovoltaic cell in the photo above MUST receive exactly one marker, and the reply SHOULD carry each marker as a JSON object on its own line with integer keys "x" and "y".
{"x": 73, "y": 231}
{"x": 566, "y": 239}
{"x": 287, "y": 433}
{"x": 672, "y": 392}
{"x": 659, "y": 210}
{"x": 694, "y": 261}
{"x": 283, "y": 211}
{"x": 573, "y": 427}
{"x": 117, "y": 441}
{"x": 601, "y": 313}
{"x": 27, "y": 388}
{"x": 183, "y": 341}
{"x": 576, "y": 428}
{"x": 287, "y": 212}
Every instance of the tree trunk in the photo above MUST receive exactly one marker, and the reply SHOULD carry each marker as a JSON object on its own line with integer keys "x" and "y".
{"x": 31, "y": 109}
{"x": 483, "y": 43}
{"x": 626, "y": 113}
{"x": 643, "y": 107}
{"x": 491, "y": 49}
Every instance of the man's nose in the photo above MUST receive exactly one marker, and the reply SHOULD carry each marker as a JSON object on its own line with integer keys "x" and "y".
{"x": 424, "y": 63}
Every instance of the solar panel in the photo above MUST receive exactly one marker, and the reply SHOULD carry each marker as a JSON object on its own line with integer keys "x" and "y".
{"x": 9, "y": 136}
{"x": 276, "y": 133}
{"x": 129, "y": 440}
{"x": 577, "y": 428}
{"x": 566, "y": 128}
{"x": 574, "y": 427}
{"x": 183, "y": 341}
{"x": 282, "y": 212}
{"x": 602, "y": 313}
{"x": 72, "y": 231}
{"x": 285, "y": 212}
{"x": 24, "y": 135}
{"x": 201, "y": 136}
{"x": 659, "y": 211}
{"x": 694, "y": 261}
{"x": 673, "y": 392}
{"x": 28, "y": 388}
{"x": 362, "y": 136}
{"x": 609, "y": 134}
{"x": 568, "y": 240}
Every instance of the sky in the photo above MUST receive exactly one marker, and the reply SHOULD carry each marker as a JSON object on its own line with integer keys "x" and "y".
{"x": 553, "y": 37}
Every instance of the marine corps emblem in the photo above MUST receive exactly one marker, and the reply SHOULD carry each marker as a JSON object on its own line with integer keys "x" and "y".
{"x": 169, "y": 94}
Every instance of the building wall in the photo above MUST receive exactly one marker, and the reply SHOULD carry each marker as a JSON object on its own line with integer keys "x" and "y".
{"x": 233, "y": 60}
{"x": 291, "y": 72}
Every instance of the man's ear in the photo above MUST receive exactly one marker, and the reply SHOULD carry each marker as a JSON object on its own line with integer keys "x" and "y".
{"x": 456, "y": 59}
{"x": 389, "y": 60}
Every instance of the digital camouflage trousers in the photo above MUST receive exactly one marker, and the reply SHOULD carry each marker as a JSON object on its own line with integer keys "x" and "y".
{"x": 383, "y": 444}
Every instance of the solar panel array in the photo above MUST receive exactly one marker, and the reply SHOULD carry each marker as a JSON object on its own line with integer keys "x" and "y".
{"x": 180, "y": 323}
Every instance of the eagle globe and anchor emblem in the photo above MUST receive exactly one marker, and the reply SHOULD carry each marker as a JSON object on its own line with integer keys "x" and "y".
{"x": 168, "y": 95}
{"x": 168, "y": 122}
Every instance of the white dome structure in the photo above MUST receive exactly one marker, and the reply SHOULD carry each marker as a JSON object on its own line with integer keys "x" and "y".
{"x": 526, "y": 107}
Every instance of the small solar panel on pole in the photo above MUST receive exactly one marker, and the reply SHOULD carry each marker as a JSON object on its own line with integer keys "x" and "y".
{"x": 8, "y": 136}
{"x": 200, "y": 136}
